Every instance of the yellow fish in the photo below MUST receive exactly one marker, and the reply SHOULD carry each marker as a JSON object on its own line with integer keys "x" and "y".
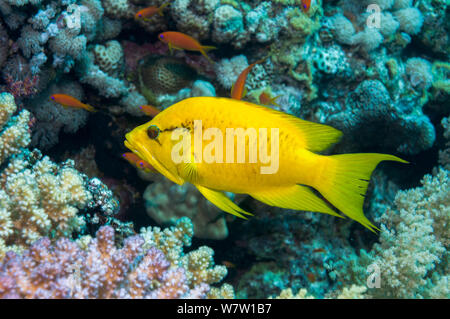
{"x": 213, "y": 164}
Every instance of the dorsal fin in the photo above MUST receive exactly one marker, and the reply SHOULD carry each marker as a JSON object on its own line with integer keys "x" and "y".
{"x": 317, "y": 137}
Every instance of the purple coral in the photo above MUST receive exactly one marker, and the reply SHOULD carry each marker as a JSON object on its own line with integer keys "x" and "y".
{"x": 64, "y": 270}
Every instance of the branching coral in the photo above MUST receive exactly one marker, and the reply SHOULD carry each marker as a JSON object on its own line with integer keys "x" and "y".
{"x": 40, "y": 199}
{"x": 14, "y": 130}
{"x": 148, "y": 266}
{"x": 61, "y": 32}
{"x": 353, "y": 292}
{"x": 415, "y": 237}
{"x": 37, "y": 197}
{"x": 228, "y": 70}
{"x": 194, "y": 16}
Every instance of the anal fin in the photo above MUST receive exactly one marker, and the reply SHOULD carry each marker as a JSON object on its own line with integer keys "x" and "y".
{"x": 219, "y": 199}
{"x": 296, "y": 197}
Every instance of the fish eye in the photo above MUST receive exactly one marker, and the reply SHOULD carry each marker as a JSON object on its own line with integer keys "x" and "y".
{"x": 161, "y": 36}
{"x": 153, "y": 132}
{"x": 141, "y": 164}
{"x": 52, "y": 97}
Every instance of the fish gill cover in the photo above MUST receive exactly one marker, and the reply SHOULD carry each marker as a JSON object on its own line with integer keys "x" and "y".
{"x": 79, "y": 77}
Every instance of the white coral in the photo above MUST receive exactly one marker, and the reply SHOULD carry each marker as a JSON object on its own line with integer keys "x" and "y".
{"x": 419, "y": 72}
{"x": 228, "y": 70}
{"x": 410, "y": 19}
{"x": 194, "y": 16}
{"x": 414, "y": 239}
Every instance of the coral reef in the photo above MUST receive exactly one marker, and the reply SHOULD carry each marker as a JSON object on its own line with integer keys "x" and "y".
{"x": 415, "y": 237}
{"x": 194, "y": 16}
{"x": 412, "y": 255}
{"x": 38, "y": 197}
{"x": 398, "y": 126}
{"x": 109, "y": 57}
{"x": 14, "y": 130}
{"x": 160, "y": 197}
{"x": 354, "y": 292}
{"x": 4, "y": 47}
{"x": 228, "y": 26}
{"x": 52, "y": 117}
{"x": 228, "y": 70}
{"x": 419, "y": 72}
{"x": 444, "y": 155}
{"x": 149, "y": 266}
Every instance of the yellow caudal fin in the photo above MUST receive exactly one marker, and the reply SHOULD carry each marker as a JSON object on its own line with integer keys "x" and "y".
{"x": 222, "y": 201}
{"x": 296, "y": 197}
{"x": 344, "y": 181}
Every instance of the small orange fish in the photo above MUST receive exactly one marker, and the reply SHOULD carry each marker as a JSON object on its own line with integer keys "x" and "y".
{"x": 181, "y": 41}
{"x": 311, "y": 277}
{"x": 238, "y": 88}
{"x": 266, "y": 99}
{"x": 138, "y": 162}
{"x": 306, "y": 4}
{"x": 149, "y": 110}
{"x": 149, "y": 12}
{"x": 69, "y": 101}
{"x": 228, "y": 264}
{"x": 319, "y": 250}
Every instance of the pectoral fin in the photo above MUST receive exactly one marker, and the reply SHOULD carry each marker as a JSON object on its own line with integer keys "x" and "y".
{"x": 219, "y": 199}
{"x": 188, "y": 171}
{"x": 296, "y": 197}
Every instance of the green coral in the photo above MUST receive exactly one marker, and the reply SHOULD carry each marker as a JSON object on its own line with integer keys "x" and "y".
{"x": 303, "y": 24}
{"x": 441, "y": 71}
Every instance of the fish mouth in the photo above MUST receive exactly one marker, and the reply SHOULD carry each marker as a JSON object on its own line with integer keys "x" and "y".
{"x": 129, "y": 144}
{"x": 145, "y": 154}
